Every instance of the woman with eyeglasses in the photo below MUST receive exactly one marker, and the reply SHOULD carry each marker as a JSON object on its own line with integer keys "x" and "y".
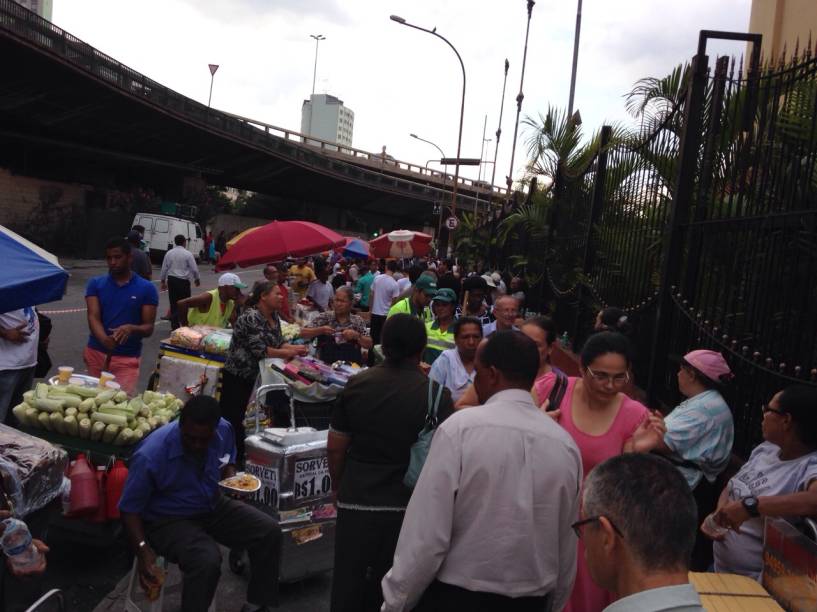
{"x": 601, "y": 418}
{"x": 778, "y": 480}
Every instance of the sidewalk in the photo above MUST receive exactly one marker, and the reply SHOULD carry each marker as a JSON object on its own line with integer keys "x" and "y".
{"x": 306, "y": 596}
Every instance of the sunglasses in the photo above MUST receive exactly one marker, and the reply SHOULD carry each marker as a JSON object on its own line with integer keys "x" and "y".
{"x": 615, "y": 379}
{"x": 577, "y": 526}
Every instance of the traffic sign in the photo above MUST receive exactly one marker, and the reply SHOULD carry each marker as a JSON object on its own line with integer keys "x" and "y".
{"x": 452, "y": 223}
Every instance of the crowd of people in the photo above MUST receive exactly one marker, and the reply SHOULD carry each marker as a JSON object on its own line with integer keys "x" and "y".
{"x": 539, "y": 491}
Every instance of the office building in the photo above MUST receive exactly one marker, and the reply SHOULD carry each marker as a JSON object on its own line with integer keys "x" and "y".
{"x": 325, "y": 117}
{"x": 784, "y": 24}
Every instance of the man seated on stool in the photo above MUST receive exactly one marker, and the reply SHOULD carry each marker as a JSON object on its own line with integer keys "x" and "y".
{"x": 172, "y": 505}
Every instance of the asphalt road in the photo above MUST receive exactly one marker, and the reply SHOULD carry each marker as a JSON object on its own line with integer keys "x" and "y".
{"x": 90, "y": 576}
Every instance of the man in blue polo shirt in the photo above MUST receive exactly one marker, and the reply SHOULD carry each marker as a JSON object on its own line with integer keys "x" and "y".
{"x": 121, "y": 311}
{"x": 172, "y": 504}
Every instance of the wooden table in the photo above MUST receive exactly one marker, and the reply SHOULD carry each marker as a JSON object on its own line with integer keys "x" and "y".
{"x": 732, "y": 593}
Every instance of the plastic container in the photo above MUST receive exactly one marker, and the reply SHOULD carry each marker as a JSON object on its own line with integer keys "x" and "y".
{"x": 104, "y": 377}
{"x": 113, "y": 488}
{"x": 84, "y": 487}
{"x": 20, "y": 551}
{"x": 64, "y": 373}
{"x": 113, "y": 385}
{"x": 100, "y": 516}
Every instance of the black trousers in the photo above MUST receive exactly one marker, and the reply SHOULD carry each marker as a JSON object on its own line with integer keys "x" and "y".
{"x": 235, "y": 395}
{"x": 364, "y": 550}
{"x": 192, "y": 543}
{"x": 443, "y": 597}
{"x": 177, "y": 289}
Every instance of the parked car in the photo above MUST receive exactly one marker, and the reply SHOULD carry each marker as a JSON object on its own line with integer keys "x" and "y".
{"x": 160, "y": 230}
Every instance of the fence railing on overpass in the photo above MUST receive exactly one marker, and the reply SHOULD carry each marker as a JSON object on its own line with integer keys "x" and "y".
{"x": 325, "y": 157}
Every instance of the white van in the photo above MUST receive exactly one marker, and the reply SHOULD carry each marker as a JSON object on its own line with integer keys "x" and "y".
{"x": 160, "y": 230}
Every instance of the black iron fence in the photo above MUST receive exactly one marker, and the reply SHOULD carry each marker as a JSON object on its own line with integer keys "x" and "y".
{"x": 704, "y": 230}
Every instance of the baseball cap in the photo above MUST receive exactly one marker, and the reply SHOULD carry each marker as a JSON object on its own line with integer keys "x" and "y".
{"x": 489, "y": 280}
{"x": 230, "y": 280}
{"x": 711, "y": 364}
{"x": 427, "y": 285}
{"x": 133, "y": 235}
{"x": 496, "y": 277}
{"x": 446, "y": 295}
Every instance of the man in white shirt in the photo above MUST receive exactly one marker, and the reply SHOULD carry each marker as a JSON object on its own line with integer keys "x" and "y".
{"x": 488, "y": 524}
{"x": 19, "y": 337}
{"x": 638, "y": 529}
{"x": 320, "y": 292}
{"x": 178, "y": 269}
{"x": 506, "y": 311}
{"x": 384, "y": 290}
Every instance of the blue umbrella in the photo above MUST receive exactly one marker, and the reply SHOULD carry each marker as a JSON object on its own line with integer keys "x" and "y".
{"x": 356, "y": 249}
{"x": 29, "y": 275}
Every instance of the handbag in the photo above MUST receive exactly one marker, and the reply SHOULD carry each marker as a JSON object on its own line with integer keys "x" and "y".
{"x": 419, "y": 450}
{"x": 557, "y": 393}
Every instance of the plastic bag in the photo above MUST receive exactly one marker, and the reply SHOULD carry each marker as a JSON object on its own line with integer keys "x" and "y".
{"x": 31, "y": 470}
{"x": 217, "y": 343}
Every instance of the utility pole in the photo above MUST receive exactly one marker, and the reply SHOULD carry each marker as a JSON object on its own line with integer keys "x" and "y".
{"x": 213, "y": 68}
{"x": 318, "y": 38}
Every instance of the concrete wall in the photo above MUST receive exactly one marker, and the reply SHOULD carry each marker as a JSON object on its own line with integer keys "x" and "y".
{"x": 49, "y": 213}
{"x": 782, "y": 23}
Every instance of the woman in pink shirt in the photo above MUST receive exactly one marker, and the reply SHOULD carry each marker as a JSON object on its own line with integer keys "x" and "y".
{"x": 600, "y": 418}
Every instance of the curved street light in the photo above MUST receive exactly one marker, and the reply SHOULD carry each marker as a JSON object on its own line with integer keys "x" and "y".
{"x": 401, "y": 21}
{"x": 442, "y": 155}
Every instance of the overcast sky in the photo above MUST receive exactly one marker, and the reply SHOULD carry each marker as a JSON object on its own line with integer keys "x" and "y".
{"x": 398, "y": 80}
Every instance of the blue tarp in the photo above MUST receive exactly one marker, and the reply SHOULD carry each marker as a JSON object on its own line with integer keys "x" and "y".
{"x": 28, "y": 275}
{"x": 356, "y": 249}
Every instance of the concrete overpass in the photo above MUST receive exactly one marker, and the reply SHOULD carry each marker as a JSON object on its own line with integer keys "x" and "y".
{"x": 70, "y": 112}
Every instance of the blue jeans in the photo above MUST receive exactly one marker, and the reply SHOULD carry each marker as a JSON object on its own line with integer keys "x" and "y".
{"x": 13, "y": 383}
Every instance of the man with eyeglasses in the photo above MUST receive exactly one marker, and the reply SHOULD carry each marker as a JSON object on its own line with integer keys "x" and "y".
{"x": 638, "y": 530}
{"x": 488, "y": 524}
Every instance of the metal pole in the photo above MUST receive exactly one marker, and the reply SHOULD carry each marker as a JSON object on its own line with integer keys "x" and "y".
{"x": 481, "y": 157}
{"x": 318, "y": 38}
{"x": 210, "y": 99}
{"x": 519, "y": 98}
{"x": 499, "y": 125}
{"x": 402, "y": 21}
{"x": 440, "y": 252}
{"x": 575, "y": 59}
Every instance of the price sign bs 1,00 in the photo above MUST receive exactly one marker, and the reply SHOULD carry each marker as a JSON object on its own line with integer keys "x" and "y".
{"x": 312, "y": 478}
{"x": 268, "y": 493}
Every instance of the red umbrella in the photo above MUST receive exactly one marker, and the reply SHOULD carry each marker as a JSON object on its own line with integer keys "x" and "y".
{"x": 278, "y": 240}
{"x": 400, "y": 243}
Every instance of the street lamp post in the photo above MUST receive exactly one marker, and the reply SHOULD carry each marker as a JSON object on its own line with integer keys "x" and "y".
{"x": 499, "y": 129}
{"x": 575, "y": 59}
{"x": 318, "y": 38}
{"x": 519, "y": 98}
{"x": 402, "y": 21}
{"x": 440, "y": 251}
{"x": 213, "y": 68}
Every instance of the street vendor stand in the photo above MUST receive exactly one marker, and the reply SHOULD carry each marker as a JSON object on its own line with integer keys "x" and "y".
{"x": 296, "y": 491}
{"x": 190, "y": 362}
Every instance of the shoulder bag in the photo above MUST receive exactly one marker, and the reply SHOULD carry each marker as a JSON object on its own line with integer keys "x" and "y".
{"x": 419, "y": 450}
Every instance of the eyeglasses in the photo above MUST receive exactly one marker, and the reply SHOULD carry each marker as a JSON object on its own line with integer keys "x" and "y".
{"x": 576, "y": 527}
{"x": 765, "y": 408}
{"x": 616, "y": 379}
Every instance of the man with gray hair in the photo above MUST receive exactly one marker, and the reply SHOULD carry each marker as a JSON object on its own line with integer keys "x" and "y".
{"x": 638, "y": 528}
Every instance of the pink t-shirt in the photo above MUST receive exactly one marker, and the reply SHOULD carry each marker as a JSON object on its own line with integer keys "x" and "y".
{"x": 586, "y": 595}
{"x": 595, "y": 449}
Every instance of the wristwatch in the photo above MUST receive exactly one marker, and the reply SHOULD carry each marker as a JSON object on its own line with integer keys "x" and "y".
{"x": 750, "y": 503}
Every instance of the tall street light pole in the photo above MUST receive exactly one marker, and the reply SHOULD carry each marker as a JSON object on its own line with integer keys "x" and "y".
{"x": 402, "y": 21}
{"x": 213, "y": 68}
{"x": 499, "y": 125}
{"x": 519, "y": 98}
{"x": 575, "y": 59}
{"x": 318, "y": 38}
{"x": 440, "y": 250}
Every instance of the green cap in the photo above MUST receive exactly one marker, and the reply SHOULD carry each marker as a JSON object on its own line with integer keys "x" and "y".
{"x": 446, "y": 295}
{"x": 427, "y": 285}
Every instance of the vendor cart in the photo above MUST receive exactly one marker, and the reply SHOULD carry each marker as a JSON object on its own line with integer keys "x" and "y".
{"x": 296, "y": 491}
{"x": 186, "y": 372}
